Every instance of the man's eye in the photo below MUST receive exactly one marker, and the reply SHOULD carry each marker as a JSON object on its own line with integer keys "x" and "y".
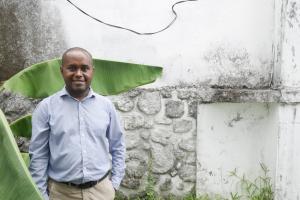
{"x": 71, "y": 68}
{"x": 85, "y": 68}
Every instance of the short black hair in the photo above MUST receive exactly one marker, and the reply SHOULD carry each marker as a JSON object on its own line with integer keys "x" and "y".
{"x": 76, "y": 49}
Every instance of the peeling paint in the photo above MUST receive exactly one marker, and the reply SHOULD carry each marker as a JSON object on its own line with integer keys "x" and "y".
{"x": 292, "y": 14}
{"x": 293, "y": 51}
{"x": 235, "y": 69}
{"x": 235, "y": 120}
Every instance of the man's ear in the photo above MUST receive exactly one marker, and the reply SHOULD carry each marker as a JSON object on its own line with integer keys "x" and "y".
{"x": 61, "y": 69}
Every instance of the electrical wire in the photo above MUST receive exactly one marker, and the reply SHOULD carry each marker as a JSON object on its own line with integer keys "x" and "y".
{"x": 131, "y": 30}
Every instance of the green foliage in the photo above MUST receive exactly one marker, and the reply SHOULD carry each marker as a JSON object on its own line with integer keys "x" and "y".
{"x": 15, "y": 182}
{"x": 150, "y": 191}
{"x": 22, "y": 127}
{"x": 259, "y": 189}
{"x": 110, "y": 77}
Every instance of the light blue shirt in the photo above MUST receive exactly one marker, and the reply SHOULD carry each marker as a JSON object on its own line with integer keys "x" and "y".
{"x": 76, "y": 141}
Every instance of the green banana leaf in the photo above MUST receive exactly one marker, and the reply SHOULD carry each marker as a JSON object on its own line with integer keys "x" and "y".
{"x": 25, "y": 157}
{"x": 15, "y": 180}
{"x": 110, "y": 77}
{"x": 22, "y": 127}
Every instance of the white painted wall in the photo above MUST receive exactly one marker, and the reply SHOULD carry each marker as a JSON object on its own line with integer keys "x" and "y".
{"x": 234, "y": 136}
{"x": 225, "y": 42}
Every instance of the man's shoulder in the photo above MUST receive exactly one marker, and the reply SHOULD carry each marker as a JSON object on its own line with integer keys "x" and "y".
{"x": 102, "y": 98}
{"x": 48, "y": 99}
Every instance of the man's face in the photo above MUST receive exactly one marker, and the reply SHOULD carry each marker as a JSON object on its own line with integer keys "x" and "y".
{"x": 77, "y": 71}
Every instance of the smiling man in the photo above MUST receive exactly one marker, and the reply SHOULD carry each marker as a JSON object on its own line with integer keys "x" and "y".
{"x": 77, "y": 148}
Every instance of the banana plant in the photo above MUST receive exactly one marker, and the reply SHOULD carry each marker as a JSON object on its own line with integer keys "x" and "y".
{"x": 15, "y": 182}
{"x": 42, "y": 80}
{"x": 110, "y": 77}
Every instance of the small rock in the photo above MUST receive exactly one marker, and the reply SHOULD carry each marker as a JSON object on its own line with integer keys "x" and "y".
{"x": 133, "y": 121}
{"x": 166, "y": 93}
{"x": 173, "y": 173}
{"x": 132, "y": 141}
{"x": 124, "y": 104}
{"x": 23, "y": 144}
{"x": 145, "y": 134}
{"x": 163, "y": 158}
{"x": 133, "y": 93}
{"x": 149, "y": 103}
{"x": 180, "y": 187}
{"x": 183, "y": 94}
{"x": 163, "y": 121}
{"x": 188, "y": 145}
{"x": 192, "y": 109}
{"x": 146, "y": 146}
{"x": 182, "y": 126}
{"x": 187, "y": 173}
{"x": 191, "y": 158}
{"x": 149, "y": 123}
{"x": 166, "y": 186}
{"x": 130, "y": 183}
{"x": 174, "y": 109}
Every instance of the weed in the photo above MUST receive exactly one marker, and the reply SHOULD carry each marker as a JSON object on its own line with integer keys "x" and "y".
{"x": 259, "y": 189}
{"x": 150, "y": 191}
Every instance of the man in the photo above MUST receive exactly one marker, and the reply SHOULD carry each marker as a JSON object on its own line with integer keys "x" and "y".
{"x": 74, "y": 132}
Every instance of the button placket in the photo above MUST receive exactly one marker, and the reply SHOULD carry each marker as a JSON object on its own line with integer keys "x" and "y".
{"x": 83, "y": 140}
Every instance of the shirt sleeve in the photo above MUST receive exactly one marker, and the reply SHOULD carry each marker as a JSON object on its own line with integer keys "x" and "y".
{"x": 39, "y": 148}
{"x": 116, "y": 147}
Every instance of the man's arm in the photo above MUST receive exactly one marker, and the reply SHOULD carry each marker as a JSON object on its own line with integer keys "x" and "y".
{"x": 116, "y": 147}
{"x": 39, "y": 148}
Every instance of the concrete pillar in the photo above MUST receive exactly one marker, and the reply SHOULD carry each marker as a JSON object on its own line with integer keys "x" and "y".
{"x": 288, "y": 66}
{"x": 288, "y": 160}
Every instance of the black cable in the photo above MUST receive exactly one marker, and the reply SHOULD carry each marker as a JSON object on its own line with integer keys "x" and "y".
{"x": 127, "y": 29}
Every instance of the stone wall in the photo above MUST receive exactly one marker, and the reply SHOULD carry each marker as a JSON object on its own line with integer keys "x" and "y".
{"x": 160, "y": 128}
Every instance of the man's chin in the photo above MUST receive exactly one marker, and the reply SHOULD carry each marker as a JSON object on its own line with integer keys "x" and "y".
{"x": 79, "y": 89}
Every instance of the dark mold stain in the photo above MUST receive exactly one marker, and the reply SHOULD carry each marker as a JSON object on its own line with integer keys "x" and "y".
{"x": 293, "y": 51}
{"x": 234, "y": 68}
{"x": 292, "y": 14}
{"x": 28, "y": 35}
{"x": 235, "y": 120}
{"x": 294, "y": 114}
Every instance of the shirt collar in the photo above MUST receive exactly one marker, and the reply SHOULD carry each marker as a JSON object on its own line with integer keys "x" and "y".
{"x": 64, "y": 92}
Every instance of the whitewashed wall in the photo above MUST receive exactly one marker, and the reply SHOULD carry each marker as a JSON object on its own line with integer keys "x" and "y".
{"x": 231, "y": 45}
{"x": 215, "y": 42}
{"x": 235, "y": 136}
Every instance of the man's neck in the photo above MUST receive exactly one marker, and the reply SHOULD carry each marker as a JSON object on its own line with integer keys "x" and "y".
{"x": 79, "y": 95}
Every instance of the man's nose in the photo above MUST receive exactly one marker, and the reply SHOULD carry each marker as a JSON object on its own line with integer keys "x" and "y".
{"x": 78, "y": 72}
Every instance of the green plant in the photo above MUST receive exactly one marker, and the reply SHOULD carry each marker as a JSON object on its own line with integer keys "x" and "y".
{"x": 15, "y": 182}
{"x": 259, "y": 189}
{"x": 110, "y": 77}
{"x": 150, "y": 191}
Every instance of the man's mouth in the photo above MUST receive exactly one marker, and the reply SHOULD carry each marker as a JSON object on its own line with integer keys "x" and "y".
{"x": 78, "y": 81}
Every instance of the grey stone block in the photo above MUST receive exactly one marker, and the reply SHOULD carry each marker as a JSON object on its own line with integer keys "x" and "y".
{"x": 174, "y": 109}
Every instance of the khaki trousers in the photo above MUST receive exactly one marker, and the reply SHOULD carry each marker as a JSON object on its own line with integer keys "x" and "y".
{"x": 102, "y": 191}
